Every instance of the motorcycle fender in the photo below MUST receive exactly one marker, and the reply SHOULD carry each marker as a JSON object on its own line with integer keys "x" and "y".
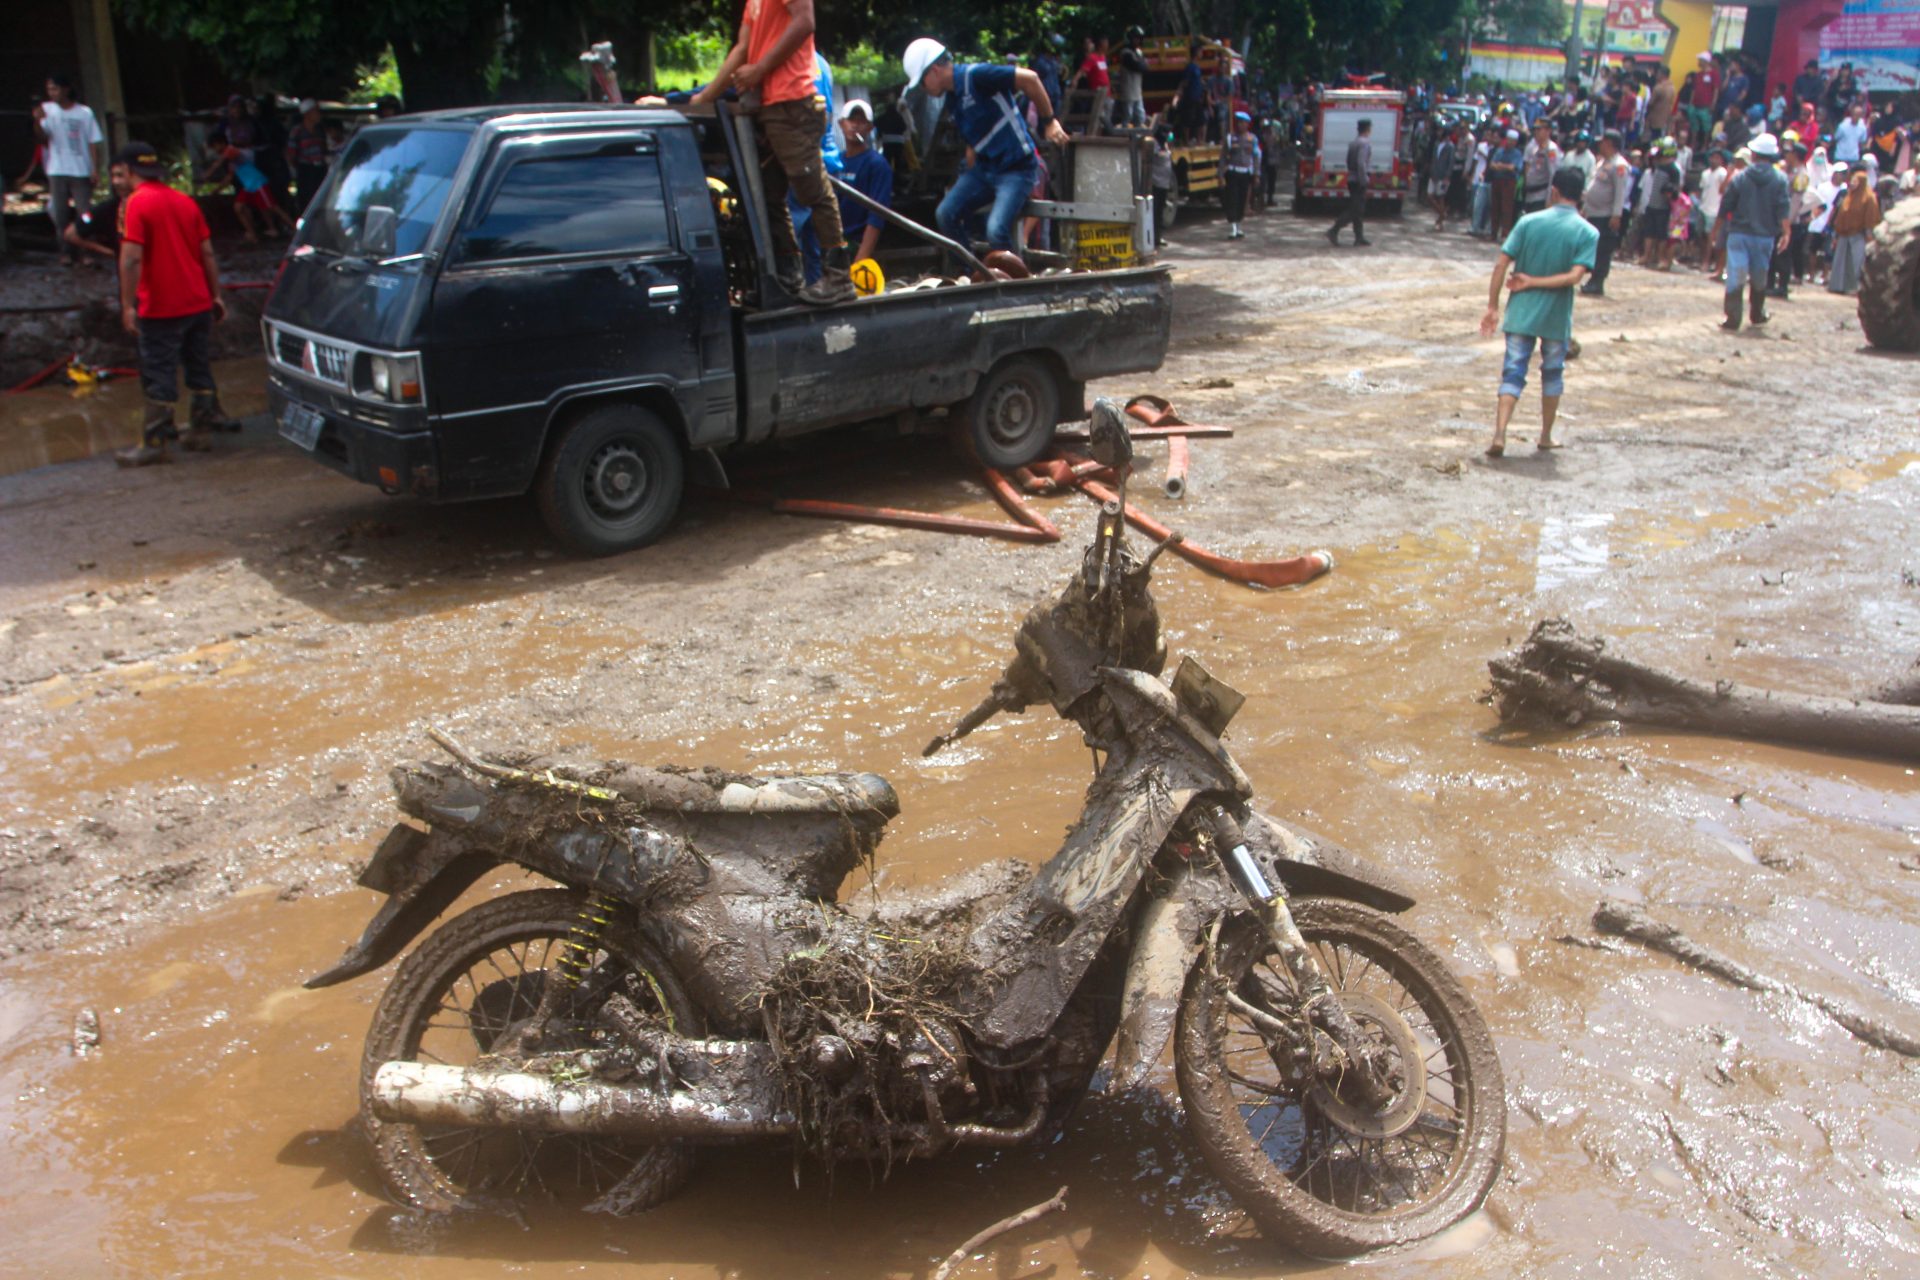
{"x": 1166, "y": 939}
{"x": 421, "y": 875}
{"x": 1311, "y": 866}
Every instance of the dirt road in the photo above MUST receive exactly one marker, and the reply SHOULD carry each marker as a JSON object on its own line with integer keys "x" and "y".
{"x": 206, "y": 669}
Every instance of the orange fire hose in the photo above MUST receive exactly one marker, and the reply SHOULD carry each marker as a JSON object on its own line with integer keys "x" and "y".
{"x": 1175, "y": 485}
{"x": 1254, "y": 573}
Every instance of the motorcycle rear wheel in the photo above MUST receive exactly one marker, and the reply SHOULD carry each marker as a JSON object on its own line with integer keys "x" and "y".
{"x": 1301, "y": 1160}
{"x": 451, "y": 1001}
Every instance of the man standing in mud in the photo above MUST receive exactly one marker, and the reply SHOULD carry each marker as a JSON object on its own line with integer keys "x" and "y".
{"x": 1359, "y": 165}
{"x": 169, "y": 299}
{"x": 1550, "y": 254}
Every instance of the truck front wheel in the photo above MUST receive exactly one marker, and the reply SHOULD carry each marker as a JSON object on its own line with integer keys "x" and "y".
{"x": 1010, "y": 420}
{"x": 612, "y": 481}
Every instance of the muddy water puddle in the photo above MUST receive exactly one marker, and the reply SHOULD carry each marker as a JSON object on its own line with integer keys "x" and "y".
{"x": 64, "y": 424}
{"x": 1661, "y": 1123}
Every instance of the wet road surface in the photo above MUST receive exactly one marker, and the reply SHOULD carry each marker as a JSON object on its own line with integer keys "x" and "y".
{"x": 1662, "y": 1123}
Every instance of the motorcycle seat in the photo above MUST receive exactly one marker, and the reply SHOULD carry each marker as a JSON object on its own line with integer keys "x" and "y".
{"x": 844, "y": 793}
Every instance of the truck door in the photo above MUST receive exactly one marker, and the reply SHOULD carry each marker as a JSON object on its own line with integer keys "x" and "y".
{"x": 565, "y": 277}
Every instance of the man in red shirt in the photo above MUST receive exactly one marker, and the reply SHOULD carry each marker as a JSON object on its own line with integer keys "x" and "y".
{"x": 771, "y": 64}
{"x": 1706, "y": 91}
{"x": 169, "y": 299}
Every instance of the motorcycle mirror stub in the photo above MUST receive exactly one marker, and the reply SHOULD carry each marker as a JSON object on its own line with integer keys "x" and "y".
{"x": 1214, "y": 703}
{"x": 1107, "y": 437}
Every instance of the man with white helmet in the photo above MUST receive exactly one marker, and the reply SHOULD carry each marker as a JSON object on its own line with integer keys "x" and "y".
{"x": 1003, "y": 162}
{"x": 1758, "y": 207}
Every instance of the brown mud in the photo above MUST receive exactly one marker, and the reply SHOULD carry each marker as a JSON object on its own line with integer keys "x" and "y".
{"x": 206, "y": 669}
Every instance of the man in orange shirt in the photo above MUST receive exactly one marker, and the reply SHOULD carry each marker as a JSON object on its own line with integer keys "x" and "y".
{"x": 169, "y": 299}
{"x": 771, "y": 64}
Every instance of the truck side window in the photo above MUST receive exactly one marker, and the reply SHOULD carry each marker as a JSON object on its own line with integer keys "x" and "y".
{"x": 612, "y": 202}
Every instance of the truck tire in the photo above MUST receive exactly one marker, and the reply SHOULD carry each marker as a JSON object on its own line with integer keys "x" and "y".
{"x": 1890, "y": 284}
{"x": 612, "y": 481}
{"x": 1009, "y": 421}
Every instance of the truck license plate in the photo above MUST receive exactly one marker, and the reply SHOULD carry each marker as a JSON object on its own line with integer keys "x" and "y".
{"x": 301, "y": 425}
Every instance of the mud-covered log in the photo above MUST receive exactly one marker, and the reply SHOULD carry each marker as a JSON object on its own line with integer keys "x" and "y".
{"x": 1631, "y": 921}
{"x": 1563, "y": 677}
{"x": 479, "y": 1097}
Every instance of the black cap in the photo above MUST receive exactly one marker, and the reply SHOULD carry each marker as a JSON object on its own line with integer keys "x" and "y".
{"x": 142, "y": 159}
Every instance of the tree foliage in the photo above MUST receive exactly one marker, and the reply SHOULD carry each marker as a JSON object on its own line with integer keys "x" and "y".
{"x": 457, "y": 52}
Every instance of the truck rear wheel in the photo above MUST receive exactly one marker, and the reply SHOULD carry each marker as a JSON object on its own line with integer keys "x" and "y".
{"x": 1010, "y": 420}
{"x": 612, "y": 481}
{"x": 1890, "y": 285}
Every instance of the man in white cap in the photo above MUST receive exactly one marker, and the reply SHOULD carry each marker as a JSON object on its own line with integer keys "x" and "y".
{"x": 772, "y": 67}
{"x": 866, "y": 171}
{"x": 986, "y": 101}
{"x": 1758, "y": 208}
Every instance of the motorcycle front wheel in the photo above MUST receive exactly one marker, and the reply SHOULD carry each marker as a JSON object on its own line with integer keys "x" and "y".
{"x": 1315, "y": 1169}
{"x": 477, "y": 980}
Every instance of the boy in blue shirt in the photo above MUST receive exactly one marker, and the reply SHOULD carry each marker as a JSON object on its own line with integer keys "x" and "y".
{"x": 1550, "y": 253}
{"x": 867, "y": 172}
{"x": 986, "y": 100}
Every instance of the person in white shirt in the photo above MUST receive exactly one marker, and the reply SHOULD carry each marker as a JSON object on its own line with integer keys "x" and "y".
{"x": 1706, "y": 210}
{"x": 1482, "y": 192}
{"x": 74, "y": 145}
{"x": 1582, "y": 157}
{"x": 1851, "y": 135}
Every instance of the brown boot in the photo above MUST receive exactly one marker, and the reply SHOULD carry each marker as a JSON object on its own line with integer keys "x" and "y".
{"x": 835, "y": 283}
{"x": 207, "y": 415}
{"x": 155, "y": 431}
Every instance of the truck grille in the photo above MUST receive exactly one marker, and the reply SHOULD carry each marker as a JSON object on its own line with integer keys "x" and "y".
{"x": 323, "y": 360}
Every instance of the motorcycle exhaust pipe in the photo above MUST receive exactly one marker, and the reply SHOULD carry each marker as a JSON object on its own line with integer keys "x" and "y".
{"x": 429, "y": 1093}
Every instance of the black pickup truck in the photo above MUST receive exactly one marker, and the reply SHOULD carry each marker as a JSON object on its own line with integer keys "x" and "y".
{"x": 578, "y": 301}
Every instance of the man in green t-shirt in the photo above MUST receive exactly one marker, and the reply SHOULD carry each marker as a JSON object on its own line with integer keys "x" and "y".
{"x": 1550, "y": 254}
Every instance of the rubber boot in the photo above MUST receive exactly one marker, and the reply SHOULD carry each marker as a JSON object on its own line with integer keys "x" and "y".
{"x": 789, "y": 270}
{"x": 1757, "y": 302}
{"x": 155, "y": 431}
{"x": 207, "y": 413}
{"x": 835, "y": 283}
{"x": 1732, "y": 322}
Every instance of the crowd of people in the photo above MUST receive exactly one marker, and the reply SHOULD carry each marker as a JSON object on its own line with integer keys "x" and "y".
{"x": 1760, "y": 195}
{"x": 1658, "y": 159}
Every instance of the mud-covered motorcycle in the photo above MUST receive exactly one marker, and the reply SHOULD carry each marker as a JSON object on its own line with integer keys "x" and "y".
{"x": 695, "y": 981}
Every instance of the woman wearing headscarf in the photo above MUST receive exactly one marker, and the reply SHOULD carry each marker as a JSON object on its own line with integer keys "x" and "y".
{"x": 1857, "y": 214}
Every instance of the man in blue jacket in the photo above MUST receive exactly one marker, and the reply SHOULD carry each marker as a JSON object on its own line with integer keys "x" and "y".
{"x": 989, "y": 104}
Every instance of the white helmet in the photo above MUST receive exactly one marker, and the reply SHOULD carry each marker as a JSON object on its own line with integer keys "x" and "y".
{"x": 920, "y": 55}
{"x": 1765, "y": 147}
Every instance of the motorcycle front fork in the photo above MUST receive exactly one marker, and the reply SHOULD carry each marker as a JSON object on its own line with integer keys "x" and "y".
{"x": 1319, "y": 1002}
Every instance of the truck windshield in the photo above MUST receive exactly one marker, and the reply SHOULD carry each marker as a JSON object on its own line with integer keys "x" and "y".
{"x": 405, "y": 170}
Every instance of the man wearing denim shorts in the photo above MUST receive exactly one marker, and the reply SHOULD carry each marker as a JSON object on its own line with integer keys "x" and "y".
{"x": 1549, "y": 254}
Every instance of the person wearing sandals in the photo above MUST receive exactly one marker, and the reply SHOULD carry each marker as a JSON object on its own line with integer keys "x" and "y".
{"x": 1550, "y": 254}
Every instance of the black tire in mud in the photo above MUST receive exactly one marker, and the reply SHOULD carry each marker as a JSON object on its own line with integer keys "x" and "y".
{"x": 1010, "y": 420}
{"x": 475, "y": 977}
{"x": 1307, "y": 1182}
{"x": 612, "y": 480}
{"x": 1890, "y": 285}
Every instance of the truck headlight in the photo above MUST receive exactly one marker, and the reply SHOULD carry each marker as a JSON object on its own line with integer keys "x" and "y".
{"x": 394, "y": 378}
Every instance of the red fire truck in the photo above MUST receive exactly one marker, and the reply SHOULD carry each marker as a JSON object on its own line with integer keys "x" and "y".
{"x": 1323, "y": 166}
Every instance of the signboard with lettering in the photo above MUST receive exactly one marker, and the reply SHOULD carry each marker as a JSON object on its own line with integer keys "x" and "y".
{"x": 1881, "y": 38}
